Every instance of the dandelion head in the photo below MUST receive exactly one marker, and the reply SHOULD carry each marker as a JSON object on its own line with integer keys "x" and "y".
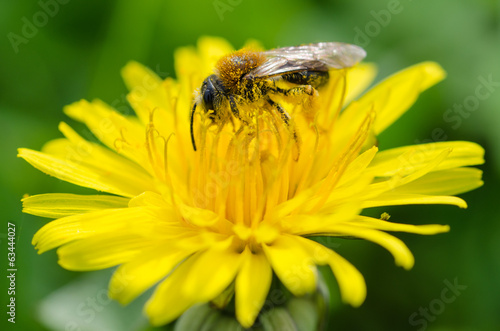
{"x": 219, "y": 222}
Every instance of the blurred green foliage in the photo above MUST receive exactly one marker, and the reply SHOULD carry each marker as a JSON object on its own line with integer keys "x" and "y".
{"x": 78, "y": 49}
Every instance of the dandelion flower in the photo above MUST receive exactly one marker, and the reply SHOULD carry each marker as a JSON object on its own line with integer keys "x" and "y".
{"x": 226, "y": 217}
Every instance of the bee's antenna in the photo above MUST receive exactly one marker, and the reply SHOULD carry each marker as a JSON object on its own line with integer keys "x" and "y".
{"x": 192, "y": 121}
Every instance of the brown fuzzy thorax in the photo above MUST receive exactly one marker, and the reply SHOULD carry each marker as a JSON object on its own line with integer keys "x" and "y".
{"x": 232, "y": 67}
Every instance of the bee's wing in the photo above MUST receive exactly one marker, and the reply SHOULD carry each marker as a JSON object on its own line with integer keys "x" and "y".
{"x": 320, "y": 57}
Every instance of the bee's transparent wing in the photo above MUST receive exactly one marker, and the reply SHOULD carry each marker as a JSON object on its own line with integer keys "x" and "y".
{"x": 320, "y": 57}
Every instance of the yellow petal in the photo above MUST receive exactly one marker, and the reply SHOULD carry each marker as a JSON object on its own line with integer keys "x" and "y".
{"x": 293, "y": 265}
{"x": 204, "y": 218}
{"x": 404, "y": 160}
{"x": 169, "y": 300}
{"x": 224, "y": 298}
{"x": 391, "y": 199}
{"x": 358, "y": 165}
{"x": 332, "y": 96}
{"x": 358, "y": 79}
{"x": 387, "y": 185}
{"x": 56, "y": 205}
{"x": 315, "y": 197}
{"x": 100, "y": 252}
{"x": 350, "y": 193}
{"x": 445, "y": 182}
{"x": 78, "y": 173}
{"x": 188, "y": 65}
{"x": 133, "y": 278}
{"x": 111, "y": 221}
{"x": 252, "y": 285}
{"x": 395, "y": 246}
{"x": 92, "y": 153}
{"x": 149, "y": 198}
{"x": 379, "y": 224}
{"x": 402, "y": 90}
{"x": 196, "y": 280}
{"x": 144, "y": 84}
{"x": 125, "y": 135}
{"x": 351, "y": 282}
{"x": 211, "y": 50}
{"x": 78, "y": 150}
{"x": 393, "y": 96}
{"x": 192, "y": 66}
{"x": 301, "y": 224}
{"x": 254, "y": 44}
{"x": 211, "y": 273}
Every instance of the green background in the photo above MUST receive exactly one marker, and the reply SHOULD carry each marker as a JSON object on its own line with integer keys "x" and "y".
{"x": 79, "y": 50}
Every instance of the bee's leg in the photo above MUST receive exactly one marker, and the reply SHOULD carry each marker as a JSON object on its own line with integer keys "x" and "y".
{"x": 308, "y": 82}
{"x": 295, "y": 91}
{"x": 306, "y": 95}
{"x": 234, "y": 108}
{"x": 236, "y": 112}
{"x": 285, "y": 117}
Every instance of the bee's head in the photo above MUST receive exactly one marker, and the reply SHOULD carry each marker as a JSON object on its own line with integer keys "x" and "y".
{"x": 210, "y": 100}
{"x": 211, "y": 95}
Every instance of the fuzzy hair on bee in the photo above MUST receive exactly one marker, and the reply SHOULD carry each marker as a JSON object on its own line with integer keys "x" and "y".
{"x": 246, "y": 76}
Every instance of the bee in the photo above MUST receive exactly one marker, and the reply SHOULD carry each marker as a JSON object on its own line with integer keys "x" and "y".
{"x": 246, "y": 76}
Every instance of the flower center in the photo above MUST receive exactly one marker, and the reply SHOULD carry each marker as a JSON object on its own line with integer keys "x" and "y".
{"x": 238, "y": 172}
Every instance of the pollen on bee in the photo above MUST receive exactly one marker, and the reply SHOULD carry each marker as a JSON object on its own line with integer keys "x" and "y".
{"x": 233, "y": 66}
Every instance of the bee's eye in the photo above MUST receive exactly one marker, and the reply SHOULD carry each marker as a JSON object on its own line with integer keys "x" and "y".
{"x": 208, "y": 96}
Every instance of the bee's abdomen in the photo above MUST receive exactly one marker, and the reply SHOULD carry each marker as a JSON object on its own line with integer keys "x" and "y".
{"x": 314, "y": 78}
